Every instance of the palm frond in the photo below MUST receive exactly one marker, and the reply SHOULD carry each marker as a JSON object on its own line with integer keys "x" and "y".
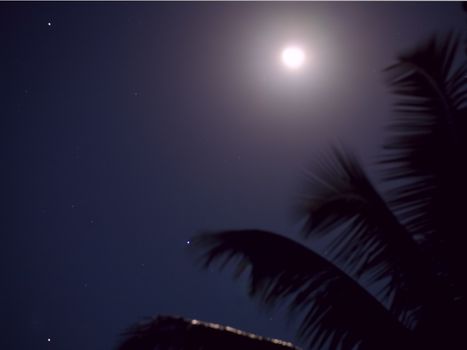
{"x": 424, "y": 154}
{"x": 342, "y": 206}
{"x": 333, "y": 306}
{"x": 427, "y": 134}
{"x": 177, "y": 333}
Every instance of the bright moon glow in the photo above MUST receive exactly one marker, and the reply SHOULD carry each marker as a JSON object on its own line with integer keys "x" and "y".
{"x": 293, "y": 57}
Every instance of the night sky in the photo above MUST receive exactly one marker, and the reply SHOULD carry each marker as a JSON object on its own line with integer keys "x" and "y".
{"x": 126, "y": 128}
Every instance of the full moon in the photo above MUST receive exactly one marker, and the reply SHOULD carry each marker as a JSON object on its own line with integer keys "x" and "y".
{"x": 293, "y": 57}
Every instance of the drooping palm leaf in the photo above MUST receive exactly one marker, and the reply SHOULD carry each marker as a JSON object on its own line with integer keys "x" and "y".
{"x": 340, "y": 196}
{"x": 176, "y": 333}
{"x": 342, "y": 205}
{"x": 432, "y": 92}
{"x": 334, "y": 307}
{"x": 426, "y": 151}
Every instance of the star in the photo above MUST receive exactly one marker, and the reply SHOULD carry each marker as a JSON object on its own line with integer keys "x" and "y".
{"x": 188, "y": 242}
{"x": 48, "y": 339}
{"x": 49, "y": 24}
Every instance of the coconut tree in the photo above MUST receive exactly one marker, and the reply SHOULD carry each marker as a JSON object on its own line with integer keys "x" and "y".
{"x": 391, "y": 273}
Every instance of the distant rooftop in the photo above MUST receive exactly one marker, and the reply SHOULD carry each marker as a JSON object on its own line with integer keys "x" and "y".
{"x": 170, "y": 332}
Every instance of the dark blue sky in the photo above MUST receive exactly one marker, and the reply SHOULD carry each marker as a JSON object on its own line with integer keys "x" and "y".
{"x": 128, "y": 127}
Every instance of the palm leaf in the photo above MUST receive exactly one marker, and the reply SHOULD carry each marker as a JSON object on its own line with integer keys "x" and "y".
{"x": 426, "y": 138}
{"x": 424, "y": 155}
{"x": 342, "y": 206}
{"x": 335, "y": 309}
{"x": 176, "y": 333}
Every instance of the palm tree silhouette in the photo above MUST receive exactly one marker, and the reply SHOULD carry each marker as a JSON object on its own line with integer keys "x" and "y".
{"x": 392, "y": 274}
